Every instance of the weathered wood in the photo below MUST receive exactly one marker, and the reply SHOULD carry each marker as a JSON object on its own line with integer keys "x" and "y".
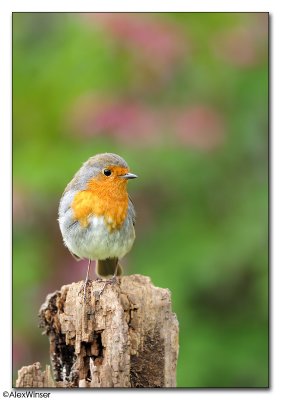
{"x": 125, "y": 337}
{"x": 32, "y": 376}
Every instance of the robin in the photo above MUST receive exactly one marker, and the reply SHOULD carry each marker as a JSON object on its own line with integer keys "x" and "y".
{"x": 97, "y": 216}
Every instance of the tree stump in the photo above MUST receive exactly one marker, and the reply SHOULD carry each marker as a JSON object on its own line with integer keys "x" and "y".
{"x": 127, "y": 336}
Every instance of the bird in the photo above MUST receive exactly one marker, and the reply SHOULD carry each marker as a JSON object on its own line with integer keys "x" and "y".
{"x": 96, "y": 215}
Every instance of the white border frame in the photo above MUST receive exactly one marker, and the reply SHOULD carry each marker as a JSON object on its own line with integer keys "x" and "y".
{"x": 6, "y": 9}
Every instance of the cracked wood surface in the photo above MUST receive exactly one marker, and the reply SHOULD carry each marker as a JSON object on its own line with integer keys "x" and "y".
{"x": 125, "y": 337}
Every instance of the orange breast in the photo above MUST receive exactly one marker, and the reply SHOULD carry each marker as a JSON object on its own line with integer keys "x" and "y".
{"x": 109, "y": 201}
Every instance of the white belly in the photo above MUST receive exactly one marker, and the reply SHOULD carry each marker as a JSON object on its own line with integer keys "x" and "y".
{"x": 96, "y": 242}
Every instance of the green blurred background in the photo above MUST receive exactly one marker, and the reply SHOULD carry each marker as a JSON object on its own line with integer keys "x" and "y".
{"x": 183, "y": 97}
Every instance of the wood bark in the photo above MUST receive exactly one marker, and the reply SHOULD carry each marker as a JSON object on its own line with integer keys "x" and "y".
{"x": 127, "y": 336}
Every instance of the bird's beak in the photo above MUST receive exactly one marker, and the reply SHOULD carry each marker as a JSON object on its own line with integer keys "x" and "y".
{"x": 129, "y": 176}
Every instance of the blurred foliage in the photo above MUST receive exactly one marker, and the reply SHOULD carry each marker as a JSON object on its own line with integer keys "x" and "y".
{"x": 183, "y": 97}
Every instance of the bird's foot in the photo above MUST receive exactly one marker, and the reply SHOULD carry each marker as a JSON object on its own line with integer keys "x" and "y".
{"x": 107, "y": 282}
{"x": 84, "y": 289}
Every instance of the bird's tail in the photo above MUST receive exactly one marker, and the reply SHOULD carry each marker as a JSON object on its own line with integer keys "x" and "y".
{"x": 106, "y": 268}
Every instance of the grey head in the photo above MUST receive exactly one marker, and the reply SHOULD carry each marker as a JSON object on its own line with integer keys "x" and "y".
{"x": 92, "y": 167}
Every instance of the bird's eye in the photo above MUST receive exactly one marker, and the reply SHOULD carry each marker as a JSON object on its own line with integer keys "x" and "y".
{"x": 107, "y": 172}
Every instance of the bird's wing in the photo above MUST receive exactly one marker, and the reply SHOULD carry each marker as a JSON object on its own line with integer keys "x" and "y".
{"x": 132, "y": 212}
{"x": 75, "y": 256}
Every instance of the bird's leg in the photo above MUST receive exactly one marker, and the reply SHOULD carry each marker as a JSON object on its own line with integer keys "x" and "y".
{"x": 110, "y": 280}
{"x": 113, "y": 279}
{"x": 87, "y": 279}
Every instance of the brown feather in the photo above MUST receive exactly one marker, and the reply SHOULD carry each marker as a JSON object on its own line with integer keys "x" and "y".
{"x": 107, "y": 267}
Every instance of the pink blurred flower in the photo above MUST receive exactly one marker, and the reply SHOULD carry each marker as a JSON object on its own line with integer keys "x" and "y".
{"x": 244, "y": 45}
{"x": 22, "y": 208}
{"x": 198, "y": 126}
{"x": 135, "y": 123}
{"x": 155, "y": 43}
{"x": 128, "y": 120}
{"x": 21, "y": 350}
